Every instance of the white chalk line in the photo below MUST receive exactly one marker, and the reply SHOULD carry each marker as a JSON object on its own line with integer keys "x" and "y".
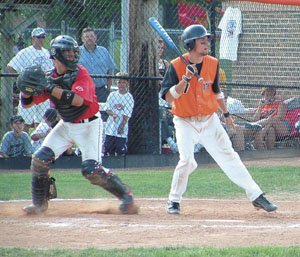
{"x": 97, "y": 224}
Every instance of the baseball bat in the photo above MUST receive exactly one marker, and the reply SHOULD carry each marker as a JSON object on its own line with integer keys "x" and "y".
{"x": 238, "y": 116}
{"x": 165, "y": 36}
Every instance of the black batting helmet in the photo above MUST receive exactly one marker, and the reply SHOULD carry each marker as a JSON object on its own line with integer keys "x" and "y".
{"x": 57, "y": 47}
{"x": 191, "y": 33}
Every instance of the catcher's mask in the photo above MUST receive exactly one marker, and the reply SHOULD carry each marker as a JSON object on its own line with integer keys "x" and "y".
{"x": 57, "y": 49}
{"x": 191, "y": 33}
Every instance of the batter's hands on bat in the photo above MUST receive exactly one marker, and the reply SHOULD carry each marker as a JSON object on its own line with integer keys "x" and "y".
{"x": 191, "y": 70}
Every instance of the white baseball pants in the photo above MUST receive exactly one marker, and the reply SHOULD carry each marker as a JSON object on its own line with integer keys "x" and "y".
{"x": 87, "y": 137}
{"x": 208, "y": 131}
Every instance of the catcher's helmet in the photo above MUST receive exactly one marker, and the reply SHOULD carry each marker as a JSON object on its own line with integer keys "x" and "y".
{"x": 61, "y": 43}
{"x": 191, "y": 33}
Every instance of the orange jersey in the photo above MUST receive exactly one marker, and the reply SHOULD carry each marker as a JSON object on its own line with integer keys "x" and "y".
{"x": 200, "y": 98}
{"x": 270, "y": 109}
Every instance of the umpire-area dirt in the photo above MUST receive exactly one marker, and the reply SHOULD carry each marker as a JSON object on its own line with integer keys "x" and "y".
{"x": 203, "y": 222}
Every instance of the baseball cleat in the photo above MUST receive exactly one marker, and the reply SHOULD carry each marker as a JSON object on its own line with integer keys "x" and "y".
{"x": 31, "y": 209}
{"x": 173, "y": 207}
{"x": 262, "y": 203}
{"x": 126, "y": 203}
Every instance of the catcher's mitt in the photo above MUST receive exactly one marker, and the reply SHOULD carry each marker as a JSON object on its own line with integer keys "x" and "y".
{"x": 32, "y": 80}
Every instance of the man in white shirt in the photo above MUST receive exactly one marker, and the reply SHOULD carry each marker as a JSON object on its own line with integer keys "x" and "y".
{"x": 29, "y": 56}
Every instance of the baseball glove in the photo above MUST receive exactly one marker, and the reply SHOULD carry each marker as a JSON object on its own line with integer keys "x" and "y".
{"x": 32, "y": 80}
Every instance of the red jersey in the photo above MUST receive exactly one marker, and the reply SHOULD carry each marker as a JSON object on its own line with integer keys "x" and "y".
{"x": 83, "y": 86}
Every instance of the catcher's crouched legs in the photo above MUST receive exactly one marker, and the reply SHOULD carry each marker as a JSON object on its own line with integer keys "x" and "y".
{"x": 43, "y": 187}
{"x": 98, "y": 175}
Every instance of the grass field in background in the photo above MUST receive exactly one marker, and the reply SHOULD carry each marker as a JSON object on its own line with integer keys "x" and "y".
{"x": 280, "y": 182}
{"x": 263, "y": 251}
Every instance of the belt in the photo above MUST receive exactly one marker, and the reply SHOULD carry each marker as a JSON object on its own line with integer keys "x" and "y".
{"x": 86, "y": 120}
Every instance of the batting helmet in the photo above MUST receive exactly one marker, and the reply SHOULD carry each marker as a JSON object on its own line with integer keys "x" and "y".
{"x": 57, "y": 47}
{"x": 191, "y": 33}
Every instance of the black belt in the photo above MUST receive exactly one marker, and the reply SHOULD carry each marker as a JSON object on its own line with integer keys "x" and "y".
{"x": 87, "y": 120}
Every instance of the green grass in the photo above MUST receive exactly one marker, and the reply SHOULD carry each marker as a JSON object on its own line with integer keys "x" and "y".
{"x": 159, "y": 252}
{"x": 207, "y": 183}
{"x": 202, "y": 183}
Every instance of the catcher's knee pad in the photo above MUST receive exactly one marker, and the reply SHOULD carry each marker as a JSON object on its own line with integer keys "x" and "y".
{"x": 41, "y": 161}
{"x": 43, "y": 187}
{"x": 98, "y": 175}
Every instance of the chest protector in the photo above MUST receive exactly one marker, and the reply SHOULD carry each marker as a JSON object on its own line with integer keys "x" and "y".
{"x": 200, "y": 98}
{"x": 67, "y": 111}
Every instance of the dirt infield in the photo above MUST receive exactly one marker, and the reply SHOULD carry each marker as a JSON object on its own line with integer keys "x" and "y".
{"x": 203, "y": 222}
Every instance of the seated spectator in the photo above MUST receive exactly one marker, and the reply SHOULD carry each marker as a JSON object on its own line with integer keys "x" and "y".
{"x": 16, "y": 142}
{"x": 272, "y": 120}
{"x": 119, "y": 107}
{"x": 43, "y": 129}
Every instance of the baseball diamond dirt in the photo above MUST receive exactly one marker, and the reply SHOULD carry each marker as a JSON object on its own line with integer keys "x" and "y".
{"x": 203, "y": 222}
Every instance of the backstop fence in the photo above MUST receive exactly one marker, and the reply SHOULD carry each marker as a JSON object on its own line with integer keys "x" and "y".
{"x": 257, "y": 45}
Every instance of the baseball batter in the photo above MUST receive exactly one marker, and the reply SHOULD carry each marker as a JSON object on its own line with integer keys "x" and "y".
{"x": 72, "y": 90}
{"x": 194, "y": 106}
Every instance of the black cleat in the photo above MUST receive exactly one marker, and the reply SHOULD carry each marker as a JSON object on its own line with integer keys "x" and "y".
{"x": 173, "y": 207}
{"x": 262, "y": 203}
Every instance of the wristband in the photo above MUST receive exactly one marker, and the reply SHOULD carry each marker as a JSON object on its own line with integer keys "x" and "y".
{"x": 120, "y": 127}
{"x": 186, "y": 79}
{"x": 220, "y": 95}
{"x": 226, "y": 114}
{"x": 174, "y": 93}
{"x": 67, "y": 96}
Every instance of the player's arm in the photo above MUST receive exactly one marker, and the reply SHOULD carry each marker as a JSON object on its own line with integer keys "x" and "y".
{"x": 173, "y": 87}
{"x": 68, "y": 96}
{"x": 220, "y": 99}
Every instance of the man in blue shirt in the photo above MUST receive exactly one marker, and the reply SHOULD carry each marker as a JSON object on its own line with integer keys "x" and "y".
{"x": 97, "y": 60}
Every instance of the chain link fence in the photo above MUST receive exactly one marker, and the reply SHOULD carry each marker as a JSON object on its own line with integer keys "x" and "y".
{"x": 253, "y": 52}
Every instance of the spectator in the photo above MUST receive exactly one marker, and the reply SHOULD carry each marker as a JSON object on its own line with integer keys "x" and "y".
{"x": 163, "y": 64}
{"x": 43, "y": 129}
{"x": 97, "y": 60}
{"x": 119, "y": 108}
{"x": 29, "y": 56}
{"x": 16, "y": 142}
{"x": 271, "y": 120}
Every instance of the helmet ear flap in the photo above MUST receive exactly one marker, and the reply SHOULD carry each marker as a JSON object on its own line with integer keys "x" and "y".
{"x": 189, "y": 44}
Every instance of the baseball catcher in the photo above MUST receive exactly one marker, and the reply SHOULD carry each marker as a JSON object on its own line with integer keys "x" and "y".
{"x": 72, "y": 90}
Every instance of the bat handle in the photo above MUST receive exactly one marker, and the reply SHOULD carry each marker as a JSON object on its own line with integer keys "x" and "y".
{"x": 192, "y": 70}
{"x": 199, "y": 78}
